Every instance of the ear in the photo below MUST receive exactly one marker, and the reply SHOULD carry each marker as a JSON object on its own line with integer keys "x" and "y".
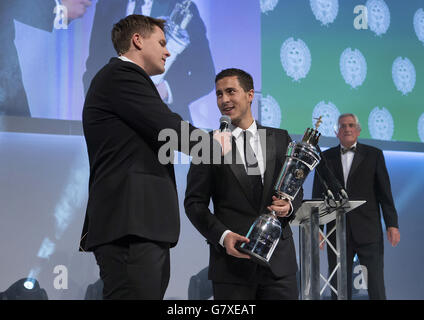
{"x": 137, "y": 41}
{"x": 251, "y": 95}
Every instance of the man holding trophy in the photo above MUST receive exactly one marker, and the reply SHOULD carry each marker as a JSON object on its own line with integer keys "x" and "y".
{"x": 242, "y": 189}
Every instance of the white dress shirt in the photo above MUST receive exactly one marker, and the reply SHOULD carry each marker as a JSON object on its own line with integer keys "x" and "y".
{"x": 126, "y": 59}
{"x": 255, "y": 144}
{"x": 347, "y": 159}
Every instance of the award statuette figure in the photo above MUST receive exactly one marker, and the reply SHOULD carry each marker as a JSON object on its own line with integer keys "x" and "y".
{"x": 301, "y": 158}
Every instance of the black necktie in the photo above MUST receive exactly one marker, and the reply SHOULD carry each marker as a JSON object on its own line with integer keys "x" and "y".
{"x": 252, "y": 168}
{"x": 344, "y": 150}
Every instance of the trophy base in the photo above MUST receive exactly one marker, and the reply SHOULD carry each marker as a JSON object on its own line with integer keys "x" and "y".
{"x": 253, "y": 256}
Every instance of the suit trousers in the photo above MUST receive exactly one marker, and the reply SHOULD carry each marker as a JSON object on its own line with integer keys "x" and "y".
{"x": 133, "y": 268}
{"x": 265, "y": 286}
{"x": 371, "y": 256}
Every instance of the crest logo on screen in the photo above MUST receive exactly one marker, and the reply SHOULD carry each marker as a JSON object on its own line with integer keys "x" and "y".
{"x": 295, "y": 58}
{"x": 270, "y": 112}
{"x": 268, "y": 5}
{"x": 378, "y": 16}
{"x": 380, "y": 124}
{"x": 421, "y": 127}
{"x": 419, "y": 24}
{"x": 353, "y": 67}
{"x": 403, "y": 73}
{"x": 325, "y": 11}
{"x": 330, "y": 115}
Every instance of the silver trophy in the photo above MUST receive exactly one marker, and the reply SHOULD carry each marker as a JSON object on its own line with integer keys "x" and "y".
{"x": 301, "y": 158}
{"x": 177, "y": 38}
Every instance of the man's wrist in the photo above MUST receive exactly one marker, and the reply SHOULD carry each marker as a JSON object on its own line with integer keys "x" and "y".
{"x": 291, "y": 209}
{"x": 221, "y": 240}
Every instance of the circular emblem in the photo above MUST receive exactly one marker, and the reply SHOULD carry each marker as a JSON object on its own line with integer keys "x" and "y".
{"x": 299, "y": 174}
{"x": 403, "y": 74}
{"x": 270, "y": 112}
{"x": 380, "y": 124}
{"x": 330, "y": 116}
{"x": 295, "y": 58}
{"x": 353, "y": 67}
{"x": 378, "y": 16}
{"x": 421, "y": 127}
{"x": 268, "y": 5}
{"x": 419, "y": 24}
{"x": 325, "y": 11}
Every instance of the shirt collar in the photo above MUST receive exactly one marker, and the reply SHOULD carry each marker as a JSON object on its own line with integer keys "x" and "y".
{"x": 123, "y": 58}
{"x": 236, "y": 131}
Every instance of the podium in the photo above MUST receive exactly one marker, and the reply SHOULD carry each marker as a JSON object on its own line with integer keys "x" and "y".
{"x": 309, "y": 217}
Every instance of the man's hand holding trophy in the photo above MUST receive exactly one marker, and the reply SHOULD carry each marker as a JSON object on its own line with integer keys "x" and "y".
{"x": 301, "y": 158}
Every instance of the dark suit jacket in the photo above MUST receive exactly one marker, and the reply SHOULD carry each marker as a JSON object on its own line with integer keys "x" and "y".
{"x": 368, "y": 180}
{"x": 37, "y": 13}
{"x": 229, "y": 187}
{"x": 192, "y": 74}
{"x": 130, "y": 191}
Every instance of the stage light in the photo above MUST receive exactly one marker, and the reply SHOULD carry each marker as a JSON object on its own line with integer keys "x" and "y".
{"x": 25, "y": 289}
{"x": 29, "y": 284}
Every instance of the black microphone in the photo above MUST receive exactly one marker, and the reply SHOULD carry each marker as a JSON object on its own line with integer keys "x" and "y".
{"x": 328, "y": 194}
{"x": 333, "y": 180}
{"x": 225, "y": 122}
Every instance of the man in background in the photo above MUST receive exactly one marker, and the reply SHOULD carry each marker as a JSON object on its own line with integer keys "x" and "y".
{"x": 363, "y": 171}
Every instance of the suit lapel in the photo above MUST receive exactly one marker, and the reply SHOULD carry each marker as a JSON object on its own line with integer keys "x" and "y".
{"x": 269, "y": 153}
{"x": 237, "y": 167}
{"x": 334, "y": 156}
{"x": 357, "y": 159}
{"x": 267, "y": 139}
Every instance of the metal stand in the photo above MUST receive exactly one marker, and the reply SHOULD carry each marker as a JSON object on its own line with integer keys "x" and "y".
{"x": 309, "y": 217}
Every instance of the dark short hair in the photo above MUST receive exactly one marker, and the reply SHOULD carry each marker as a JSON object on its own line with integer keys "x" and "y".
{"x": 245, "y": 79}
{"x": 123, "y": 31}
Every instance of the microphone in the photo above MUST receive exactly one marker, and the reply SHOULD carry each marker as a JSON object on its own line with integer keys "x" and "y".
{"x": 333, "y": 180}
{"x": 327, "y": 194}
{"x": 225, "y": 122}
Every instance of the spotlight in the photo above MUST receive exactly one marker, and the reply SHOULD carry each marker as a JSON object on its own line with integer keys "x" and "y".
{"x": 29, "y": 284}
{"x": 25, "y": 289}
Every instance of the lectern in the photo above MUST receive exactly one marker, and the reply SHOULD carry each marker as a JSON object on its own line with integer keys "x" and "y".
{"x": 309, "y": 217}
